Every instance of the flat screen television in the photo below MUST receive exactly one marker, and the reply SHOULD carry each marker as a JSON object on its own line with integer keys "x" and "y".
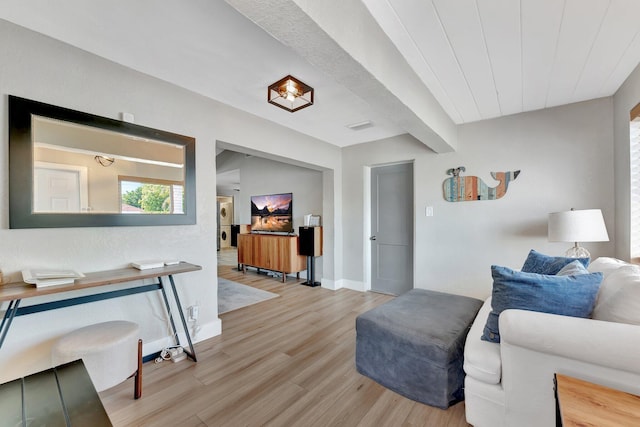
{"x": 272, "y": 213}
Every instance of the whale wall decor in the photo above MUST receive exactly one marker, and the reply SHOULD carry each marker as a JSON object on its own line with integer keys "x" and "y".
{"x": 466, "y": 188}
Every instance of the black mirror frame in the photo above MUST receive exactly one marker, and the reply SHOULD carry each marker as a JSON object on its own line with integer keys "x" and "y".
{"x": 21, "y": 170}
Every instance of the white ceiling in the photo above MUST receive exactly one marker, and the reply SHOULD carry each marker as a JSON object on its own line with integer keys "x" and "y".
{"x": 418, "y": 67}
{"x": 488, "y": 58}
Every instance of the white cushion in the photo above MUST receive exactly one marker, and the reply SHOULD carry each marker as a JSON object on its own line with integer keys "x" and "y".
{"x": 484, "y": 403}
{"x": 606, "y": 265}
{"x": 482, "y": 358}
{"x": 619, "y": 296}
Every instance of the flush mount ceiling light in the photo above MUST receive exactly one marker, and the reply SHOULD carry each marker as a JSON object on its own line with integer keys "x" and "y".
{"x": 290, "y": 94}
{"x": 104, "y": 160}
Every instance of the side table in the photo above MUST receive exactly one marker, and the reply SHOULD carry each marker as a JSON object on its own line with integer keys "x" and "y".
{"x": 581, "y": 403}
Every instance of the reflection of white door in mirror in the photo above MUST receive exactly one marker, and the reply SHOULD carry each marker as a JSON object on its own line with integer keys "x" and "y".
{"x": 59, "y": 188}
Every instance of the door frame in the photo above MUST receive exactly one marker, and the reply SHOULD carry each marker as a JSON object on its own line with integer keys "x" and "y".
{"x": 366, "y": 223}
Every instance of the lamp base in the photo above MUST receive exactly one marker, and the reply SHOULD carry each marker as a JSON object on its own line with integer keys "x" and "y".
{"x": 577, "y": 252}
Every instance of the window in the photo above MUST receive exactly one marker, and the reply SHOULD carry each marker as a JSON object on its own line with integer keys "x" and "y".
{"x": 634, "y": 159}
{"x": 144, "y": 195}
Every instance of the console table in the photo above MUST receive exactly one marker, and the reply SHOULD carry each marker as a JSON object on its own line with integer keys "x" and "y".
{"x": 14, "y": 293}
{"x": 60, "y": 396}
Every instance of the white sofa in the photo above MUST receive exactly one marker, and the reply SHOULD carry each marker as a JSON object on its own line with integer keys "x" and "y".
{"x": 511, "y": 383}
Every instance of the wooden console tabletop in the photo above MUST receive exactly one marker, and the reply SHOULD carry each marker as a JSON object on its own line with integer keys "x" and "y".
{"x": 21, "y": 290}
{"x": 581, "y": 403}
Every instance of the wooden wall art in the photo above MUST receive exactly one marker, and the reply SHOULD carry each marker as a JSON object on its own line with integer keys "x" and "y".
{"x": 466, "y": 188}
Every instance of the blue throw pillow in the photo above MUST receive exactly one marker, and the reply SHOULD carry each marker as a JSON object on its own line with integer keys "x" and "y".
{"x": 565, "y": 295}
{"x": 545, "y": 264}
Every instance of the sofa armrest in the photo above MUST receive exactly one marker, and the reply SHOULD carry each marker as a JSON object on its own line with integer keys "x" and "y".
{"x": 534, "y": 346}
{"x": 614, "y": 345}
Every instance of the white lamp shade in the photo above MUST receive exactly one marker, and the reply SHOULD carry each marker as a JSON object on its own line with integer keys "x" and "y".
{"x": 577, "y": 226}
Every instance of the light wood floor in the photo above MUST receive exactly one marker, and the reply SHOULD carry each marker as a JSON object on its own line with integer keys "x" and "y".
{"x": 288, "y": 361}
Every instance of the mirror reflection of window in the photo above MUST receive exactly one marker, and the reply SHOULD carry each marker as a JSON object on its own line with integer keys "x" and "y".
{"x": 148, "y": 196}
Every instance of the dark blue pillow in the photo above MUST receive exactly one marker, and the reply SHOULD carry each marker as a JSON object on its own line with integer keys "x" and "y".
{"x": 565, "y": 295}
{"x": 545, "y": 264}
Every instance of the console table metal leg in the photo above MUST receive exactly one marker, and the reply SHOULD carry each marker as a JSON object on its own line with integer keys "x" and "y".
{"x": 166, "y": 303}
{"x": 8, "y": 318}
{"x": 184, "y": 322}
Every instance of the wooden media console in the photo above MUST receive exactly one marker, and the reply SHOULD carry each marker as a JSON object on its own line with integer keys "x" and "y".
{"x": 271, "y": 252}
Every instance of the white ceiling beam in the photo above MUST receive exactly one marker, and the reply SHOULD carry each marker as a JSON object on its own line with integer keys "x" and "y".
{"x": 343, "y": 40}
{"x": 397, "y": 29}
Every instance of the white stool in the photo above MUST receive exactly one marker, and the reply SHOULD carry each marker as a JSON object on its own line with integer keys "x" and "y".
{"x": 111, "y": 352}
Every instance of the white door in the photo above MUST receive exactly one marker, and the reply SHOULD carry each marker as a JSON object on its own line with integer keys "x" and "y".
{"x": 59, "y": 188}
{"x": 392, "y": 229}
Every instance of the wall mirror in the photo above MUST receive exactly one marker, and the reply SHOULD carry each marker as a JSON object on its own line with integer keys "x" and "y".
{"x": 73, "y": 169}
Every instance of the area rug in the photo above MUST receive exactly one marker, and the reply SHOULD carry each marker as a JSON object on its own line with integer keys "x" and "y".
{"x": 233, "y": 295}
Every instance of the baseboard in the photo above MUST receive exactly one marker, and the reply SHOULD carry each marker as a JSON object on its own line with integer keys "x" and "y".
{"x": 206, "y": 331}
{"x": 329, "y": 284}
{"x": 353, "y": 285}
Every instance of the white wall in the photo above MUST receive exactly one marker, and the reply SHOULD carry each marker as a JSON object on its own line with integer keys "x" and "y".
{"x": 566, "y": 158}
{"x": 39, "y": 68}
{"x": 262, "y": 176}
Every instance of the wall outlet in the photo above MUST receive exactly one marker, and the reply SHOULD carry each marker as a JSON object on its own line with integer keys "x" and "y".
{"x": 193, "y": 313}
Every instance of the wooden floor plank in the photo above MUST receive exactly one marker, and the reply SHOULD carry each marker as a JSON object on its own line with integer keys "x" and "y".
{"x": 287, "y": 361}
{"x": 390, "y": 410}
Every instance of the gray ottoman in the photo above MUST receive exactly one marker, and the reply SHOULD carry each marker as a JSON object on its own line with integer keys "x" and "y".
{"x": 414, "y": 345}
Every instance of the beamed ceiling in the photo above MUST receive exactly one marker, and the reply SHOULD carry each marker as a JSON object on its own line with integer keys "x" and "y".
{"x": 418, "y": 67}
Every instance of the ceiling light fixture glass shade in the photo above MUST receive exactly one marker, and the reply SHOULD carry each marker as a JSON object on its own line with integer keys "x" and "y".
{"x": 104, "y": 160}
{"x": 290, "y": 94}
{"x": 577, "y": 226}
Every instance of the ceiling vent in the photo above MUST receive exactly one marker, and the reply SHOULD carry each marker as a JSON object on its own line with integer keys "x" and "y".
{"x": 360, "y": 125}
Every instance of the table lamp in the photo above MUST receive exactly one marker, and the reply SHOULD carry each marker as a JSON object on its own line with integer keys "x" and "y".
{"x": 577, "y": 226}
